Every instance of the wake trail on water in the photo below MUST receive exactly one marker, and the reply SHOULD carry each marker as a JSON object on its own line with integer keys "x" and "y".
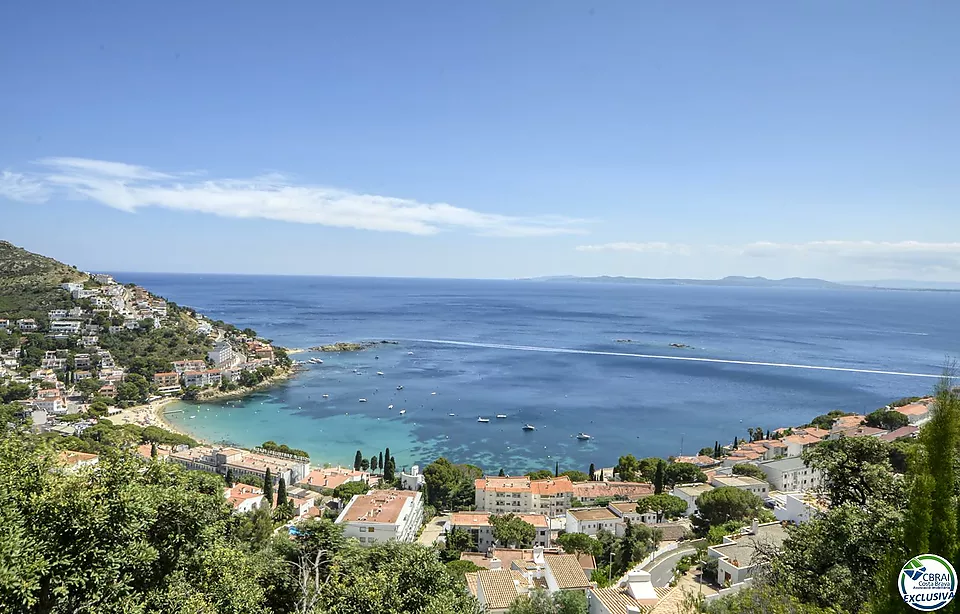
{"x": 754, "y": 363}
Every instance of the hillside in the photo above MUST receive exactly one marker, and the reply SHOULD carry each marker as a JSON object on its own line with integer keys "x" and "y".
{"x": 88, "y": 335}
{"x": 30, "y": 283}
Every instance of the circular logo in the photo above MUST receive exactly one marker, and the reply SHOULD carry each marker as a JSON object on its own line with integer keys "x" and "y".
{"x": 927, "y": 582}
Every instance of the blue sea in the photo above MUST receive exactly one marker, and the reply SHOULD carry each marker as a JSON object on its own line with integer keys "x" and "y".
{"x": 547, "y": 354}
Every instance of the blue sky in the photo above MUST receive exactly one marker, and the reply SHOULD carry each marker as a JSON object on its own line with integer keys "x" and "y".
{"x": 488, "y": 139}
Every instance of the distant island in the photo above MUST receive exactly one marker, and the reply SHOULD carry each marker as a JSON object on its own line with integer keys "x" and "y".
{"x": 758, "y": 282}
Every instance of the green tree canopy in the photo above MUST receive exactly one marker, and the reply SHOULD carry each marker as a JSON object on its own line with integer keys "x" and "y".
{"x": 542, "y": 602}
{"x": 886, "y": 419}
{"x": 513, "y": 532}
{"x": 854, "y": 469}
{"x": 580, "y": 543}
{"x": 347, "y": 490}
{"x": 663, "y": 505}
{"x": 576, "y": 476}
{"x": 450, "y": 486}
{"x": 540, "y": 474}
{"x": 683, "y": 473}
{"x": 724, "y": 504}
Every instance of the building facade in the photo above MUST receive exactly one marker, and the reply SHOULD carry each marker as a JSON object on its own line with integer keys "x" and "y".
{"x": 480, "y": 529}
{"x": 521, "y": 495}
{"x": 383, "y": 515}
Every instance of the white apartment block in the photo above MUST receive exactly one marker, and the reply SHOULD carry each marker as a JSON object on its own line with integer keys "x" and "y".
{"x": 383, "y": 515}
{"x": 790, "y": 474}
{"x": 742, "y": 482}
{"x": 221, "y": 354}
{"x": 521, "y": 495}
{"x": 479, "y": 527}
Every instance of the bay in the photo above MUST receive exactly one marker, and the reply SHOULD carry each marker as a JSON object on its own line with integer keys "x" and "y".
{"x": 629, "y": 404}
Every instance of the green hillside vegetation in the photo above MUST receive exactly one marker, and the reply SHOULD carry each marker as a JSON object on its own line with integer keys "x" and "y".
{"x": 29, "y": 283}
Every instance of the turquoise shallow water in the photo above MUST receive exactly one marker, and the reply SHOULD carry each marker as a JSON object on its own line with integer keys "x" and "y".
{"x": 629, "y": 404}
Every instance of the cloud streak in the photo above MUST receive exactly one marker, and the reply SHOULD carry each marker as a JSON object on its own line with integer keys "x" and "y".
{"x": 130, "y": 187}
{"x": 654, "y": 247}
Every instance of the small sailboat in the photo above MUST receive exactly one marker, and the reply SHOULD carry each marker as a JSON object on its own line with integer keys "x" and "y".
{"x": 529, "y": 427}
{"x": 484, "y": 420}
{"x": 409, "y": 353}
{"x": 363, "y": 400}
{"x": 501, "y": 416}
{"x": 403, "y": 411}
{"x": 390, "y": 406}
{"x": 379, "y": 372}
{"x": 584, "y": 436}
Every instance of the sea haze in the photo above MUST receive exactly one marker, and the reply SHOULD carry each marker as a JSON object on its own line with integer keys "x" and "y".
{"x": 642, "y": 406}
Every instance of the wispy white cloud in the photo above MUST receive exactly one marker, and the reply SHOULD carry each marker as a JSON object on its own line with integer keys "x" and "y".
{"x": 17, "y": 186}
{"x": 654, "y": 247}
{"x": 273, "y": 196}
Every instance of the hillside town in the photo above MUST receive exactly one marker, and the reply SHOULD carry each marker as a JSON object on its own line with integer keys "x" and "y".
{"x": 64, "y": 370}
{"x": 603, "y": 507}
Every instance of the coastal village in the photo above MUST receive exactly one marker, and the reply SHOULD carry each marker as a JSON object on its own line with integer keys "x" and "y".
{"x": 516, "y": 533}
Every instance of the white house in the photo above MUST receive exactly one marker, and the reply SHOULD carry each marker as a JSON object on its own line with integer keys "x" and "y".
{"x": 796, "y": 507}
{"x": 589, "y": 520}
{"x": 57, "y": 314}
{"x": 635, "y": 595}
{"x": 689, "y": 493}
{"x": 742, "y": 482}
{"x": 243, "y": 497}
{"x": 413, "y": 480}
{"x": 383, "y": 515}
{"x": 71, "y": 327}
{"x": 27, "y": 324}
{"x": 479, "y": 527}
{"x": 221, "y": 354}
{"x": 790, "y": 474}
{"x": 737, "y": 555}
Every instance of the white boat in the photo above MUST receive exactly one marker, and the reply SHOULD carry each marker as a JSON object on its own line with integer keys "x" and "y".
{"x": 326, "y": 396}
{"x": 319, "y": 361}
{"x": 409, "y": 353}
{"x": 483, "y": 419}
{"x": 529, "y": 427}
{"x": 403, "y": 411}
{"x": 501, "y": 416}
{"x": 363, "y": 400}
{"x": 433, "y": 393}
{"x": 399, "y": 387}
{"x": 390, "y": 406}
{"x": 584, "y": 436}
{"x": 379, "y": 372}
{"x": 192, "y": 417}
{"x": 451, "y": 414}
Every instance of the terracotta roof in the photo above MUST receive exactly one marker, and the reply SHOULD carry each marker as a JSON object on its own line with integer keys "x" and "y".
{"x": 567, "y": 571}
{"x": 383, "y": 506}
{"x": 594, "y": 490}
{"x": 69, "y": 457}
{"x": 511, "y": 556}
{"x": 552, "y": 486}
{"x": 470, "y": 519}
{"x": 814, "y": 432}
{"x": 914, "y": 409}
{"x": 861, "y": 431}
{"x": 672, "y": 531}
{"x": 700, "y": 460}
{"x": 331, "y": 477}
{"x": 595, "y": 513}
{"x": 498, "y": 588}
{"x": 803, "y": 440}
{"x": 845, "y": 422}
{"x": 903, "y": 431}
{"x": 471, "y": 578}
{"x": 616, "y": 599}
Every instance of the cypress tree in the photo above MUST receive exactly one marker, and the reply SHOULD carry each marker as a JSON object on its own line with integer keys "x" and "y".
{"x": 735, "y": 442}
{"x": 716, "y": 449}
{"x": 356, "y": 460}
{"x": 501, "y": 474}
{"x": 229, "y": 477}
{"x": 153, "y": 449}
{"x": 389, "y": 470}
{"x": 386, "y": 457}
{"x": 373, "y": 464}
{"x": 281, "y": 493}
{"x": 556, "y": 471}
{"x": 380, "y": 461}
{"x": 268, "y": 487}
{"x": 592, "y": 471}
{"x": 658, "y": 478}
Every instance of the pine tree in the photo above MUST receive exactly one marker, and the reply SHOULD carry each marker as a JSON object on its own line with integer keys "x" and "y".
{"x": 658, "y": 478}
{"x": 356, "y": 460}
{"x": 281, "y": 492}
{"x": 229, "y": 477}
{"x": 268, "y": 487}
{"x": 373, "y": 464}
{"x": 592, "y": 471}
{"x": 502, "y": 474}
{"x": 380, "y": 462}
{"x": 153, "y": 449}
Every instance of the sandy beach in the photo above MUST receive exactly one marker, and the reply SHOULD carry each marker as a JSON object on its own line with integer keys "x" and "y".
{"x": 150, "y": 414}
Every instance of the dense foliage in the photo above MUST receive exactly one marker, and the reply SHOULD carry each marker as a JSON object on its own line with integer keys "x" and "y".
{"x": 450, "y": 486}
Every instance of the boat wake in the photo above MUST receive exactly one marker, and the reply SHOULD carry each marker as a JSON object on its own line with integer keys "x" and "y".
{"x": 754, "y": 363}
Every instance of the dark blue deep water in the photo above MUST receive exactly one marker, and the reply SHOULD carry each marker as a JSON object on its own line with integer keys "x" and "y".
{"x": 628, "y": 404}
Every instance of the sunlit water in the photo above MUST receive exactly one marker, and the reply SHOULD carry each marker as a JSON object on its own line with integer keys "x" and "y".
{"x": 645, "y": 406}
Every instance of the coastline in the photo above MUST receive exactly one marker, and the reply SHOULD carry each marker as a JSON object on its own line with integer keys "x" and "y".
{"x": 218, "y": 395}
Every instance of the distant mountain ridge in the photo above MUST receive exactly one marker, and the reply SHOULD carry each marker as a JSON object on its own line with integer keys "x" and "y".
{"x": 732, "y": 280}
